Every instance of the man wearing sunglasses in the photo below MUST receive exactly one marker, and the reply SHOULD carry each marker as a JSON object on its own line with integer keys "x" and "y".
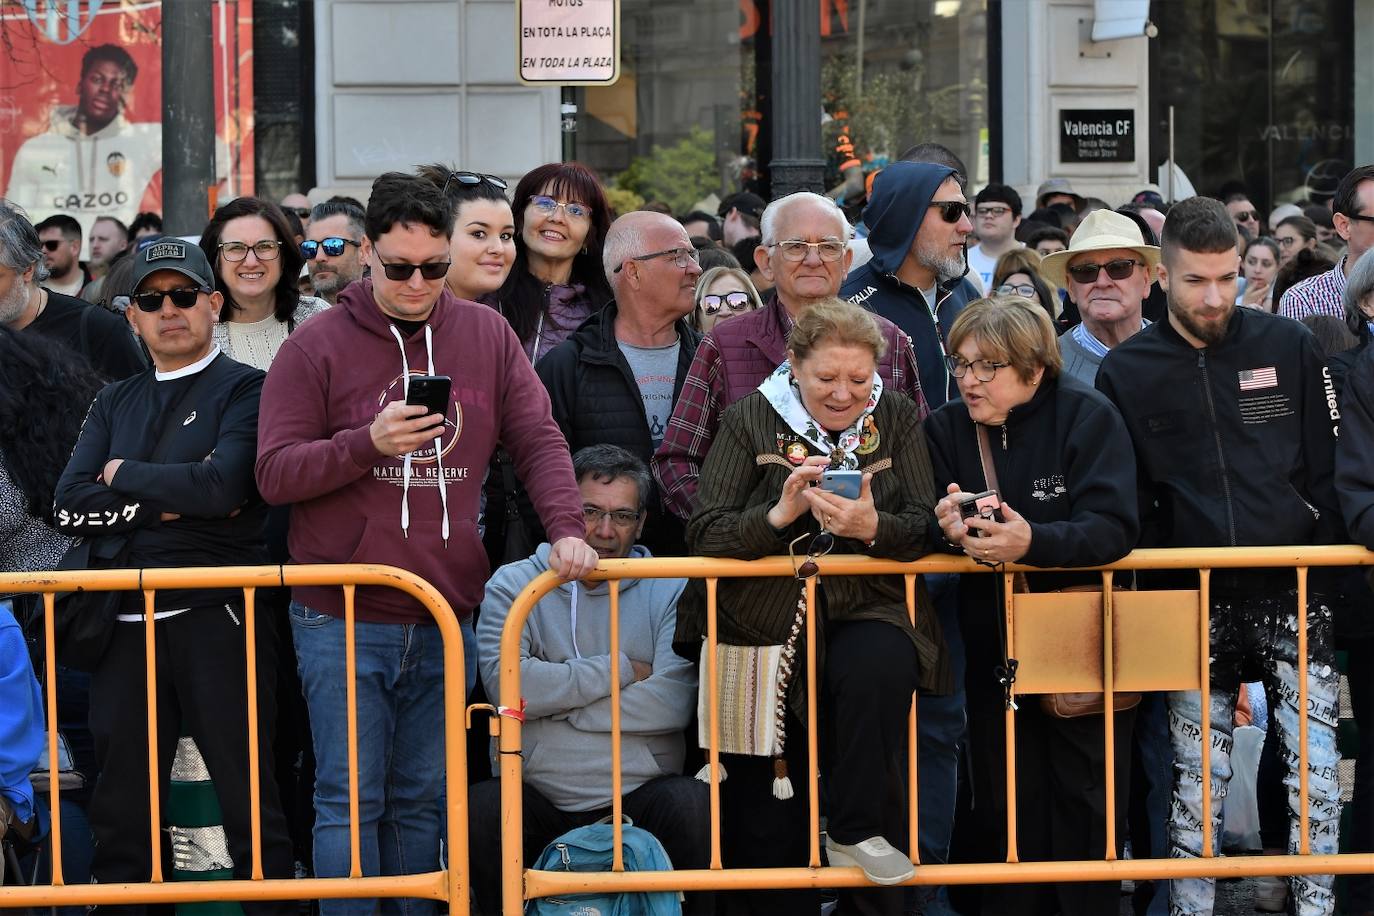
{"x": 615, "y": 380}
{"x": 333, "y": 247}
{"x": 918, "y": 224}
{"x": 61, "y": 238}
{"x": 27, "y": 305}
{"x": 1107, "y": 270}
{"x": 1244, "y": 215}
{"x": 372, "y": 479}
{"x": 165, "y": 462}
{"x": 1353, "y": 219}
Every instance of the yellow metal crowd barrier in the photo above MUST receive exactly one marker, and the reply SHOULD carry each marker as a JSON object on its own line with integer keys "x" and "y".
{"x": 450, "y": 885}
{"x": 1149, "y": 641}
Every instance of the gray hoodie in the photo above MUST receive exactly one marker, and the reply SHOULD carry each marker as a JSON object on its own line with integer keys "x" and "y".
{"x": 565, "y": 677}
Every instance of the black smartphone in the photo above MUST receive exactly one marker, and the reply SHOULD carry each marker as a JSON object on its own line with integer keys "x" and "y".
{"x": 986, "y": 505}
{"x": 431, "y": 392}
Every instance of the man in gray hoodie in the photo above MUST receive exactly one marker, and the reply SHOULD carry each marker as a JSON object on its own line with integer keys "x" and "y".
{"x": 565, "y": 679}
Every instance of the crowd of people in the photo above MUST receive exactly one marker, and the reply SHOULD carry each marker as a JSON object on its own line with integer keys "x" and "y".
{"x": 1053, "y": 390}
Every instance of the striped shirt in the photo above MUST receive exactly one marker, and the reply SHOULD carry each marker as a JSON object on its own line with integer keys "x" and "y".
{"x": 1323, "y": 294}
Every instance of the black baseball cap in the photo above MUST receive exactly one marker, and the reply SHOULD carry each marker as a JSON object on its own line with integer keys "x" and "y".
{"x": 745, "y": 202}
{"x": 172, "y": 253}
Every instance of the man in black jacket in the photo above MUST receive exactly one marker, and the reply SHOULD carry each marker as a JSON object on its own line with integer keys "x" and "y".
{"x": 1233, "y": 418}
{"x": 26, "y": 305}
{"x": 616, "y": 379}
{"x": 164, "y": 467}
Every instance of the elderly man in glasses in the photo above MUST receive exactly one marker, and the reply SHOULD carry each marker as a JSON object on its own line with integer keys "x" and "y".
{"x": 1107, "y": 270}
{"x": 565, "y": 679}
{"x": 804, "y": 253}
{"x": 372, "y": 478}
{"x": 162, "y": 475}
{"x": 615, "y": 380}
{"x": 332, "y": 247}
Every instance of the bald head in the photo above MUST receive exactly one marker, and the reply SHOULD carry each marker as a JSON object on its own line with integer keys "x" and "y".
{"x": 639, "y": 232}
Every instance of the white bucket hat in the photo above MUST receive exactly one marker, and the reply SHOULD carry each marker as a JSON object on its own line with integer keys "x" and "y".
{"x": 1100, "y": 230}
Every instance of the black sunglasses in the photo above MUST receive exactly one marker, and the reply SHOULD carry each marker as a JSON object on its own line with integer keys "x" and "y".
{"x": 821, "y": 544}
{"x": 472, "y": 179}
{"x": 184, "y": 297}
{"x": 735, "y": 300}
{"x": 1119, "y": 269}
{"x": 951, "y": 210}
{"x": 52, "y": 244}
{"x": 302, "y": 213}
{"x": 332, "y": 246}
{"x": 433, "y": 270}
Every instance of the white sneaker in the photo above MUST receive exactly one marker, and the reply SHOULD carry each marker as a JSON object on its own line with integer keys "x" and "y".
{"x": 1271, "y": 894}
{"x": 881, "y": 863}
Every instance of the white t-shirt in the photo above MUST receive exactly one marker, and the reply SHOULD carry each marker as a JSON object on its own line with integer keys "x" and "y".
{"x": 983, "y": 265}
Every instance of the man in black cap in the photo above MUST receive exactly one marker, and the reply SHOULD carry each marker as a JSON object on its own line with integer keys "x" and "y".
{"x": 739, "y": 214}
{"x": 162, "y": 475}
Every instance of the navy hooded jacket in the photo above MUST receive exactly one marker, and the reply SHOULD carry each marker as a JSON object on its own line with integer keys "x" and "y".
{"x": 901, "y": 196}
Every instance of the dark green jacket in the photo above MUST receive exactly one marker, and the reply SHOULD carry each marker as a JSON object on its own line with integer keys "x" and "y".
{"x": 740, "y": 481}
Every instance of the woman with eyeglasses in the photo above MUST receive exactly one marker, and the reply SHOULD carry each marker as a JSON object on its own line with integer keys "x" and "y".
{"x": 1017, "y": 273}
{"x": 723, "y": 292}
{"x": 561, "y": 220}
{"x": 482, "y": 248}
{"x": 1259, "y": 267}
{"x": 1294, "y": 234}
{"x": 256, "y": 263}
{"x": 1062, "y": 466}
{"x": 764, "y": 491}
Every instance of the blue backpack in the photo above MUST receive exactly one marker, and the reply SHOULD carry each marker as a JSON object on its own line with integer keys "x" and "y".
{"x": 590, "y": 848}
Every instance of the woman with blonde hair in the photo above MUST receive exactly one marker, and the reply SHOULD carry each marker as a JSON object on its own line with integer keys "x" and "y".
{"x": 723, "y": 292}
{"x": 1061, "y": 462}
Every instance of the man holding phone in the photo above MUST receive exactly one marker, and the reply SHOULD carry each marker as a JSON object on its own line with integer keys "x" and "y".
{"x": 375, "y": 479}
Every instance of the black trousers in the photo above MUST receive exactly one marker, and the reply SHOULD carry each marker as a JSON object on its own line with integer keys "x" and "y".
{"x": 675, "y": 809}
{"x": 866, "y": 685}
{"x": 201, "y": 691}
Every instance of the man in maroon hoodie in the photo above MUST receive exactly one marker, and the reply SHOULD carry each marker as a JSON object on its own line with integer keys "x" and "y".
{"x": 372, "y": 480}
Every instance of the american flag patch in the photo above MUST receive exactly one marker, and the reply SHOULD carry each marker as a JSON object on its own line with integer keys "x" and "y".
{"x": 1252, "y": 379}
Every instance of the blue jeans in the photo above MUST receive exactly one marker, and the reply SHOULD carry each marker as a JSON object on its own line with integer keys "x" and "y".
{"x": 940, "y": 727}
{"x": 400, "y": 691}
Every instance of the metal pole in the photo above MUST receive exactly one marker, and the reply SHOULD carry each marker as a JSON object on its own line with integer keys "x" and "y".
{"x": 798, "y": 164}
{"x": 188, "y": 116}
{"x": 1171, "y": 154}
{"x": 568, "y": 116}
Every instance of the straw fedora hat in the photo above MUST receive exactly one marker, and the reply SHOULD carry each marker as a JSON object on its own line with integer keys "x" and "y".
{"x": 1100, "y": 230}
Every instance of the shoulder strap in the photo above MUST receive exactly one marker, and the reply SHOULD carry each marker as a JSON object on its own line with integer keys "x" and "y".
{"x": 985, "y": 456}
{"x": 165, "y": 438}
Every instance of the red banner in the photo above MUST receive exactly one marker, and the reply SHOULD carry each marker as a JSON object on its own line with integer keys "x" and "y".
{"x": 81, "y": 105}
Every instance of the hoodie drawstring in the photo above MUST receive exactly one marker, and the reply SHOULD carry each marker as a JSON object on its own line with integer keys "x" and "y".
{"x": 577, "y": 653}
{"x": 438, "y": 438}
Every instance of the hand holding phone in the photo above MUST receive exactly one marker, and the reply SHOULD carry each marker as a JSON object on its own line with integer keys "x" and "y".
{"x": 986, "y": 505}
{"x": 431, "y": 392}
{"x": 848, "y": 484}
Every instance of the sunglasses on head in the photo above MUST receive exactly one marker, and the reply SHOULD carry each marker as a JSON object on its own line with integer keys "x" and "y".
{"x": 332, "y": 246}
{"x": 1118, "y": 270}
{"x": 472, "y": 179}
{"x": 735, "y": 300}
{"x": 432, "y": 270}
{"x": 183, "y": 297}
{"x": 952, "y": 210}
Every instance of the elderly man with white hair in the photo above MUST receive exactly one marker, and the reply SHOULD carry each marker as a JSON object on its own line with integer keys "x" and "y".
{"x": 615, "y": 380}
{"x": 804, "y": 252}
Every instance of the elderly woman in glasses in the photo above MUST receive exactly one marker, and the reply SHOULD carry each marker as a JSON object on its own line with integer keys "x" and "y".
{"x": 763, "y": 492}
{"x": 256, "y": 263}
{"x": 723, "y": 292}
{"x": 1064, "y": 471}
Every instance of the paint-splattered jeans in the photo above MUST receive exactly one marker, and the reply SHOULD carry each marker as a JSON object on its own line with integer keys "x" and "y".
{"x": 1259, "y": 637}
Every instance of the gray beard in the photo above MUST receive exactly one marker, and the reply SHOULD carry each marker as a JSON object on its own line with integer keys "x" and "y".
{"x": 14, "y": 303}
{"x": 945, "y": 268}
{"x": 329, "y": 286}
